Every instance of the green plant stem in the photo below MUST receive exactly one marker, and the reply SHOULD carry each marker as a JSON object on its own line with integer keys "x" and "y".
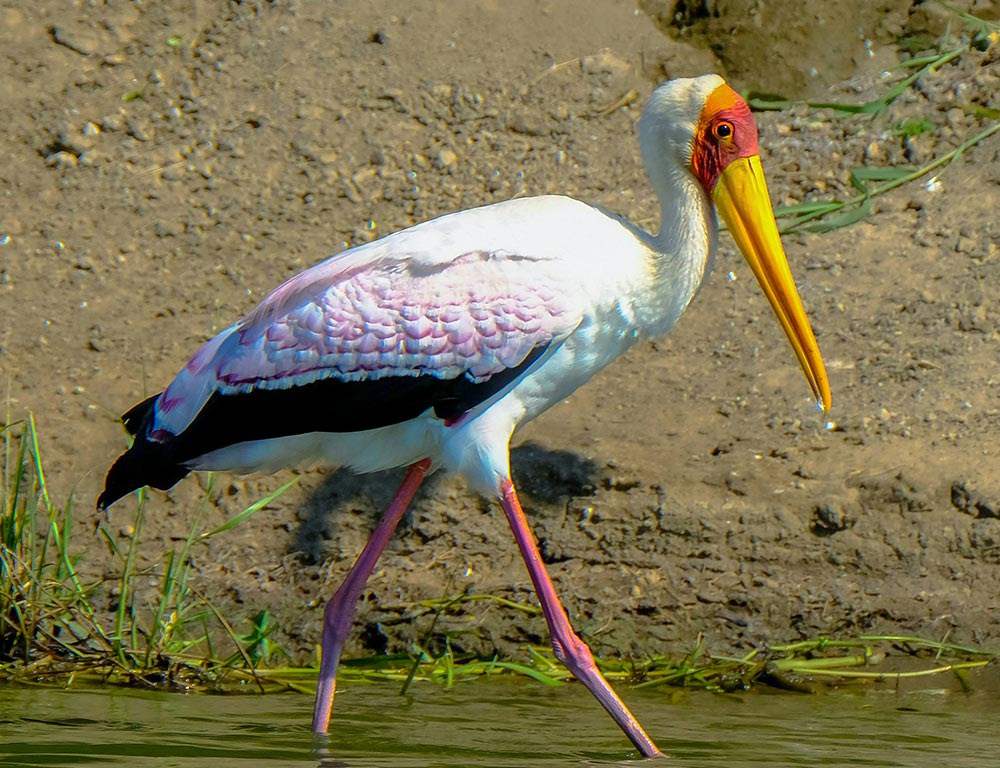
{"x": 891, "y": 675}
{"x": 817, "y": 210}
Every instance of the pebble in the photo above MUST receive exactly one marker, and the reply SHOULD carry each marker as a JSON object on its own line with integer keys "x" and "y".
{"x": 965, "y": 245}
{"x": 829, "y": 519}
{"x": 529, "y": 125}
{"x": 874, "y": 152}
{"x": 62, "y": 160}
{"x": 350, "y": 191}
{"x": 96, "y": 342}
{"x": 111, "y": 123}
{"x": 446, "y": 158}
{"x": 966, "y": 498}
{"x": 84, "y": 42}
{"x": 138, "y": 131}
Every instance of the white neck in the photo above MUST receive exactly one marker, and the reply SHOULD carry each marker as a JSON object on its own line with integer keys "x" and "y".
{"x": 683, "y": 252}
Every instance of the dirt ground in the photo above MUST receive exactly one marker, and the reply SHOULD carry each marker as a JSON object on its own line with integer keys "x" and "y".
{"x": 165, "y": 165}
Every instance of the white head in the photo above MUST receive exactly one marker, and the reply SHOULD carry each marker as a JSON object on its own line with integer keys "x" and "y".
{"x": 699, "y": 132}
{"x": 671, "y": 116}
{"x": 678, "y": 125}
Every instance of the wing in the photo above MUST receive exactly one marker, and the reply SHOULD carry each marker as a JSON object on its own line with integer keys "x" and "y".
{"x": 374, "y": 337}
{"x": 375, "y": 348}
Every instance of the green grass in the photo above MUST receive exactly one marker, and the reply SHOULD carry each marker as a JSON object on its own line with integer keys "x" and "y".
{"x": 802, "y": 666}
{"x": 872, "y": 181}
{"x": 54, "y": 630}
{"x": 54, "y": 625}
{"x": 828, "y": 215}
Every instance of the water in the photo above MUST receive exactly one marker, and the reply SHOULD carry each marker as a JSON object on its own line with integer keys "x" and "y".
{"x": 495, "y": 724}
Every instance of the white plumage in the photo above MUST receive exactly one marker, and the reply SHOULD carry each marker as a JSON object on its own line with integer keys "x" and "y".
{"x": 431, "y": 346}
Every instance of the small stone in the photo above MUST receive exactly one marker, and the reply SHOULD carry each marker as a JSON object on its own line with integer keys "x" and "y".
{"x": 443, "y": 91}
{"x": 62, "y": 160}
{"x": 829, "y": 519}
{"x": 529, "y": 125}
{"x": 112, "y": 123}
{"x": 138, "y": 131}
{"x": 446, "y": 158}
{"x": 875, "y": 152}
{"x": 966, "y": 498}
{"x": 965, "y": 245}
{"x": 81, "y": 41}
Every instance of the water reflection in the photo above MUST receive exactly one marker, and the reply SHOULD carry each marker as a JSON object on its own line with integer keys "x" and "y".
{"x": 497, "y": 724}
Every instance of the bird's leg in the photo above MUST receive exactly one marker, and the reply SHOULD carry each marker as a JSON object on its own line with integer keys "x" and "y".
{"x": 339, "y": 614}
{"x": 568, "y": 646}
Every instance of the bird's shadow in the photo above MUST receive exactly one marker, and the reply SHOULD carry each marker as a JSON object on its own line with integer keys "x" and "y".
{"x": 540, "y": 474}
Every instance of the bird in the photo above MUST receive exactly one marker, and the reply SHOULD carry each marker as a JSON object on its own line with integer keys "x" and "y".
{"x": 428, "y": 348}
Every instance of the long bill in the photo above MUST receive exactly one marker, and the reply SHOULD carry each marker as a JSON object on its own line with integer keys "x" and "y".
{"x": 741, "y": 198}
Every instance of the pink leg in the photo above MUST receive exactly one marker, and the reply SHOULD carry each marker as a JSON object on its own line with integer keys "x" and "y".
{"x": 339, "y": 614}
{"x": 568, "y": 646}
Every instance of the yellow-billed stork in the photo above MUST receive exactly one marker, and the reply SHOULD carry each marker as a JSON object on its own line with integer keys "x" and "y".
{"x": 430, "y": 347}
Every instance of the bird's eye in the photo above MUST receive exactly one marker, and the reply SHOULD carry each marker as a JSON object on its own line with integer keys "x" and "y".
{"x": 723, "y": 130}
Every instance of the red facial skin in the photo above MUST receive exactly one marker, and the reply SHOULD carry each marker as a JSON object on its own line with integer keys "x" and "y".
{"x": 726, "y": 131}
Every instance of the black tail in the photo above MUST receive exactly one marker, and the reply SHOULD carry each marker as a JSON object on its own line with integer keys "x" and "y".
{"x": 145, "y": 463}
{"x": 135, "y": 417}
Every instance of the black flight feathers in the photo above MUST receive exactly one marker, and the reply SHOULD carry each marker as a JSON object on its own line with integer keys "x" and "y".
{"x": 327, "y": 405}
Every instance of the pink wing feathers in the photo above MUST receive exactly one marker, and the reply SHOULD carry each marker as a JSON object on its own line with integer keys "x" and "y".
{"x": 357, "y": 319}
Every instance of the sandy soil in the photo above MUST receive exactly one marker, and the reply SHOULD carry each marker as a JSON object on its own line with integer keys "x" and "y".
{"x": 165, "y": 165}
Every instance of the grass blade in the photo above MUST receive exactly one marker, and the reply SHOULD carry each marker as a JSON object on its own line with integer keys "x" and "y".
{"x": 255, "y": 507}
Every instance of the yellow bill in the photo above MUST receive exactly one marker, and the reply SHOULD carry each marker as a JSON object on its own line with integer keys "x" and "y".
{"x": 742, "y": 200}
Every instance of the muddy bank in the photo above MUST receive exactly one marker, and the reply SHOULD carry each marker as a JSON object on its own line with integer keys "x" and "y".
{"x": 165, "y": 168}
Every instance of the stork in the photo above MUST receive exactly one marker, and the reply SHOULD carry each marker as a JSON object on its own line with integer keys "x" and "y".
{"x": 430, "y": 347}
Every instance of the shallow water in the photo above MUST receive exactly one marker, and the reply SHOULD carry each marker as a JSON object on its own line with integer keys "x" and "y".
{"x": 510, "y": 723}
